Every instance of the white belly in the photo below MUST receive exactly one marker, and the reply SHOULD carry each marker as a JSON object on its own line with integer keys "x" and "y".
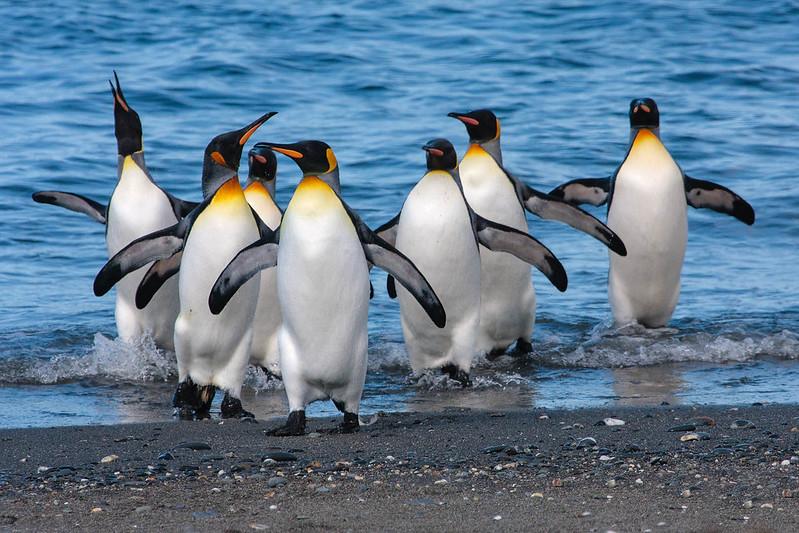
{"x": 436, "y": 234}
{"x": 214, "y": 349}
{"x": 268, "y": 318}
{"x": 323, "y": 289}
{"x": 507, "y": 296}
{"x": 648, "y": 212}
{"x": 138, "y": 207}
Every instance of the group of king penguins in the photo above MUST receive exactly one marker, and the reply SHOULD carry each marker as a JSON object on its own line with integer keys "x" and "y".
{"x": 233, "y": 280}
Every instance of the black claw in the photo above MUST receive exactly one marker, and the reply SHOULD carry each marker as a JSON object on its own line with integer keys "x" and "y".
{"x": 457, "y": 374}
{"x": 231, "y": 408}
{"x": 295, "y": 426}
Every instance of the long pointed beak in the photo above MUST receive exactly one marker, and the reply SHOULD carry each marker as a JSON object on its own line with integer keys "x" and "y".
{"x": 247, "y": 131}
{"x": 285, "y": 149}
{"x": 463, "y": 118}
{"x": 117, "y": 92}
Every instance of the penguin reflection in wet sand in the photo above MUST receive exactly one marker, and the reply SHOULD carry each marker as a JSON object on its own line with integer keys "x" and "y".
{"x": 507, "y": 295}
{"x": 137, "y": 207}
{"x": 260, "y": 193}
{"x": 212, "y": 349}
{"x": 646, "y": 199}
{"x": 322, "y": 262}
{"x": 438, "y": 230}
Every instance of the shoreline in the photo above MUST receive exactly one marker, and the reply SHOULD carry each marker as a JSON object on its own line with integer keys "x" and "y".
{"x": 456, "y": 469}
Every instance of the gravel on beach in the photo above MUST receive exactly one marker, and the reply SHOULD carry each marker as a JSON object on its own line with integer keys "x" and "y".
{"x": 605, "y": 469}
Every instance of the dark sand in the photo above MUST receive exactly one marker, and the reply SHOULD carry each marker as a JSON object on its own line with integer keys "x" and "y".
{"x": 458, "y": 470}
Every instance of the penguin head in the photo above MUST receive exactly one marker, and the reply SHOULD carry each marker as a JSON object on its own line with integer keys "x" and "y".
{"x": 127, "y": 126}
{"x": 482, "y": 125}
{"x": 263, "y": 164}
{"x": 644, "y": 113}
{"x": 223, "y": 154}
{"x": 440, "y": 155}
{"x": 315, "y": 158}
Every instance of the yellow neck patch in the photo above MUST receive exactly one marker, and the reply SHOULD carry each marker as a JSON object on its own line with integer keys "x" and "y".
{"x": 256, "y": 188}
{"x": 230, "y": 191}
{"x": 475, "y": 150}
{"x": 645, "y": 138}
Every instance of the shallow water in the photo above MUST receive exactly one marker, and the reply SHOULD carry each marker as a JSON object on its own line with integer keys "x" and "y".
{"x": 376, "y": 82}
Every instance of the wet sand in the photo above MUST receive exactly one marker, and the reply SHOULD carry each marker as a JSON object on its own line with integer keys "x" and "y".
{"x": 456, "y": 470}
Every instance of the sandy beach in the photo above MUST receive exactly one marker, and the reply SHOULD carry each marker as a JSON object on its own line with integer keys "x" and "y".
{"x": 457, "y": 470}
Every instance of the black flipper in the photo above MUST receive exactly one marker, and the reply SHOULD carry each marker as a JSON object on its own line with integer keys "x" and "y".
{"x": 250, "y": 261}
{"x": 73, "y": 202}
{"x": 156, "y": 276}
{"x": 161, "y": 244}
{"x": 385, "y": 256}
{"x": 181, "y": 208}
{"x": 594, "y": 191}
{"x": 550, "y": 207}
{"x": 501, "y": 238}
{"x": 388, "y": 231}
{"x": 391, "y": 287}
{"x": 706, "y": 194}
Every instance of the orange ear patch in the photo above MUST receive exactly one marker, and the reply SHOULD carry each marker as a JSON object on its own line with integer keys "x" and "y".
{"x": 219, "y": 158}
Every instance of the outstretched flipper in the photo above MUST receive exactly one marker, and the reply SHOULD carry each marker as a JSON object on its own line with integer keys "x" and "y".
{"x": 250, "y": 261}
{"x": 592, "y": 191}
{"x": 388, "y": 231}
{"x": 156, "y": 276}
{"x": 73, "y": 202}
{"x": 706, "y": 194}
{"x": 501, "y": 238}
{"x": 383, "y": 255}
{"x": 550, "y": 207}
{"x": 161, "y": 244}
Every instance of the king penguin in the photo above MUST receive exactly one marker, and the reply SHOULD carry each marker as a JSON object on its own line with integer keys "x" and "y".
{"x": 507, "y": 294}
{"x": 647, "y": 201}
{"x": 322, "y": 254}
{"x": 138, "y": 206}
{"x": 212, "y": 349}
{"x": 440, "y": 232}
{"x": 260, "y": 193}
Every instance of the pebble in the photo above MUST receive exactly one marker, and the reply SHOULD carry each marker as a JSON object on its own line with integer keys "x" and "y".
{"x": 166, "y": 456}
{"x": 686, "y": 493}
{"x": 700, "y": 435}
{"x": 276, "y": 482}
{"x": 639, "y": 481}
{"x": 109, "y": 459}
{"x": 683, "y": 427}
{"x": 611, "y": 483}
{"x": 537, "y": 495}
{"x": 785, "y": 462}
{"x": 193, "y": 446}
{"x": 605, "y": 458}
{"x": 322, "y": 490}
{"x": 313, "y": 435}
{"x": 787, "y": 493}
{"x": 767, "y": 506}
{"x": 747, "y": 504}
{"x": 202, "y": 515}
{"x": 585, "y": 442}
{"x": 610, "y": 422}
{"x": 703, "y": 421}
{"x": 742, "y": 424}
{"x": 144, "y": 509}
{"x": 585, "y": 513}
{"x": 498, "y": 517}
{"x": 543, "y": 417}
{"x": 280, "y": 457}
{"x": 97, "y": 510}
{"x": 794, "y": 460}
{"x": 42, "y": 469}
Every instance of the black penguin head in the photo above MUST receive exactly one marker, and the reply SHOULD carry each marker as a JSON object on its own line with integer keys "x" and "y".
{"x": 315, "y": 158}
{"x": 644, "y": 113}
{"x": 482, "y": 125}
{"x": 440, "y": 155}
{"x": 127, "y": 126}
{"x": 223, "y": 154}
{"x": 263, "y": 163}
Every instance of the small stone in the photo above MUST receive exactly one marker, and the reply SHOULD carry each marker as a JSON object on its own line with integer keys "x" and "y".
{"x": 97, "y": 510}
{"x": 203, "y": 515}
{"x": 742, "y": 424}
{"x": 192, "y": 446}
{"x": 794, "y": 460}
{"x": 795, "y": 429}
{"x": 259, "y": 527}
{"x": 611, "y": 483}
{"x": 216, "y": 490}
{"x": 440, "y": 482}
{"x": 787, "y": 493}
{"x": 686, "y": 493}
{"x": 42, "y": 469}
{"x": 495, "y": 449}
{"x": 610, "y": 422}
{"x": 498, "y": 517}
{"x": 313, "y": 435}
{"x": 785, "y": 462}
{"x": 144, "y": 509}
{"x": 703, "y": 421}
{"x": 747, "y": 504}
{"x": 767, "y": 506}
{"x": 683, "y": 427}
{"x": 585, "y": 442}
{"x": 109, "y": 458}
{"x": 557, "y": 482}
{"x": 275, "y": 482}
{"x": 585, "y": 513}
{"x": 543, "y": 417}
{"x": 322, "y": 490}
{"x": 699, "y": 435}
{"x": 605, "y": 458}
{"x": 166, "y": 456}
{"x": 390, "y": 458}
{"x": 639, "y": 481}
{"x": 537, "y": 495}
{"x": 280, "y": 457}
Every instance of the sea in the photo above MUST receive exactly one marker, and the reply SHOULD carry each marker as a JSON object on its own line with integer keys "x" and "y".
{"x": 376, "y": 81}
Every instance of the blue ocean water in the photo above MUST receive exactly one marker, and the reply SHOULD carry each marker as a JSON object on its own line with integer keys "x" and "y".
{"x": 376, "y": 81}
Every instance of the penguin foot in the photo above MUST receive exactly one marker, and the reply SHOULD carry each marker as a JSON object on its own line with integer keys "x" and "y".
{"x": 185, "y": 394}
{"x": 457, "y": 374}
{"x": 350, "y": 423}
{"x": 231, "y": 408}
{"x": 523, "y": 347}
{"x": 184, "y": 413}
{"x": 295, "y": 426}
{"x": 496, "y": 353}
{"x": 205, "y": 396}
